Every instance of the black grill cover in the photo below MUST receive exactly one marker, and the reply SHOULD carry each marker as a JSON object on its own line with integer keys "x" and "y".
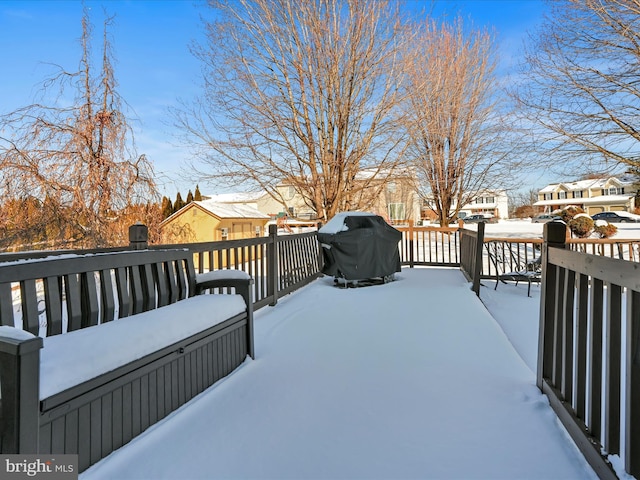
{"x": 366, "y": 248}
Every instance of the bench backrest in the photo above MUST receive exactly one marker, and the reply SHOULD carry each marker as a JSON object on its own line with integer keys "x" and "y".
{"x": 57, "y": 294}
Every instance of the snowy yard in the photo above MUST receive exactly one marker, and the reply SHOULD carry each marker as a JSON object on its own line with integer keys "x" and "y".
{"x": 413, "y": 379}
{"x": 526, "y": 229}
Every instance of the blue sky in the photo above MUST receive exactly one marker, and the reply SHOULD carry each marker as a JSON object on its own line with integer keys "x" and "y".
{"x": 154, "y": 67}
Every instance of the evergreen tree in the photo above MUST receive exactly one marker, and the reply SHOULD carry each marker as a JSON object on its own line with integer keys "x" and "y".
{"x": 179, "y": 203}
{"x": 189, "y": 197}
{"x": 167, "y": 207}
{"x": 198, "y": 196}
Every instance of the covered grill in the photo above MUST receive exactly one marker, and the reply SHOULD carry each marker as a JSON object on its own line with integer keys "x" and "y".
{"x": 360, "y": 246}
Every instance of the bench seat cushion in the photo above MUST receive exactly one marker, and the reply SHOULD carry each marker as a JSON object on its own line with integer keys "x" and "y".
{"x": 75, "y": 357}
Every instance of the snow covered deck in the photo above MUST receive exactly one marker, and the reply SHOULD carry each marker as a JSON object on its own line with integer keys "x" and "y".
{"x": 413, "y": 379}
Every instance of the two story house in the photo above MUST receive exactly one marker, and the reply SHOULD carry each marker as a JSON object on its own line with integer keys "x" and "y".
{"x": 394, "y": 198}
{"x": 490, "y": 203}
{"x": 593, "y": 195}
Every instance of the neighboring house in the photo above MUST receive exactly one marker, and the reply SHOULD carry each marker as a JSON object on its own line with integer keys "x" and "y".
{"x": 397, "y": 200}
{"x": 262, "y": 201}
{"x": 209, "y": 221}
{"x": 491, "y": 203}
{"x": 594, "y": 196}
{"x": 494, "y": 203}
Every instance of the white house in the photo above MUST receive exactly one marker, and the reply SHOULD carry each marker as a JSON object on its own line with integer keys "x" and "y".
{"x": 491, "y": 203}
{"x": 593, "y": 195}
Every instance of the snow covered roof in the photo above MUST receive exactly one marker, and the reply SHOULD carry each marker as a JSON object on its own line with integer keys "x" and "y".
{"x": 237, "y": 197}
{"x": 587, "y": 184}
{"x": 599, "y": 200}
{"x": 231, "y": 210}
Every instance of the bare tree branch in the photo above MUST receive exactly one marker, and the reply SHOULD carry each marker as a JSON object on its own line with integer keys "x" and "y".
{"x": 304, "y": 93}
{"x": 76, "y": 162}
{"x": 581, "y": 85}
{"x": 459, "y": 145}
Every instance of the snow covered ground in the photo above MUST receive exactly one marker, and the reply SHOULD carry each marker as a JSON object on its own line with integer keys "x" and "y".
{"x": 413, "y": 379}
{"x": 526, "y": 229}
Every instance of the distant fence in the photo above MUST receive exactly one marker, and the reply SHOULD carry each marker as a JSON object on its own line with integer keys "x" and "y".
{"x": 589, "y": 350}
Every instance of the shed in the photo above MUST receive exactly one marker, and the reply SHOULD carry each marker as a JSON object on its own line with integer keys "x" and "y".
{"x": 207, "y": 221}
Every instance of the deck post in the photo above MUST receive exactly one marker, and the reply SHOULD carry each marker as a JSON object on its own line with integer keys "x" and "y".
{"x": 477, "y": 265}
{"x": 632, "y": 399}
{"x": 20, "y": 384}
{"x": 138, "y": 236}
{"x": 272, "y": 265}
{"x": 410, "y": 244}
{"x": 554, "y": 236}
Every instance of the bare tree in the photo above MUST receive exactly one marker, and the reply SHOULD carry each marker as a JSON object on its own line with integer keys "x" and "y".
{"x": 77, "y": 157}
{"x": 521, "y": 203}
{"x": 459, "y": 146}
{"x": 302, "y": 93}
{"x": 580, "y": 89}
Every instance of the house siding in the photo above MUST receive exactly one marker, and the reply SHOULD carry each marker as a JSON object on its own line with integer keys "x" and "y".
{"x": 195, "y": 224}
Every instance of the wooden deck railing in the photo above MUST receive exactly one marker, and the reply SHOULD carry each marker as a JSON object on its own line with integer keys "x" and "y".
{"x": 589, "y": 365}
{"x": 279, "y": 264}
{"x": 471, "y": 254}
{"x": 589, "y": 350}
{"x": 441, "y": 246}
{"x": 430, "y": 246}
{"x": 282, "y": 263}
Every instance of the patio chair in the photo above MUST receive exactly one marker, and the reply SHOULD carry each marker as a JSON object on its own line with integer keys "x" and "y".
{"x": 508, "y": 266}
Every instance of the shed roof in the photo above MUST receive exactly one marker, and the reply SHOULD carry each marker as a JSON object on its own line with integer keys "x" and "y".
{"x": 236, "y": 197}
{"x": 221, "y": 210}
{"x": 231, "y": 210}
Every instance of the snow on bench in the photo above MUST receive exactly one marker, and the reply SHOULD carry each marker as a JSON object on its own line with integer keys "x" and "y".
{"x": 125, "y": 338}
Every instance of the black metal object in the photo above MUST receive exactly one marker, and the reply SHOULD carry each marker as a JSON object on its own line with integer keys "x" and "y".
{"x": 508, "y": 265}
{"x": 364, "y": 247}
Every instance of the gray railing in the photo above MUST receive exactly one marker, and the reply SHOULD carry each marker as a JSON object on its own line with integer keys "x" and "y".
{"x": 279, "y": 264}
{"x": 429, "y": 246}
{"x": 444, "y": 246}
{"x": 471, "y": 243}
{"x": 589, "y": 336}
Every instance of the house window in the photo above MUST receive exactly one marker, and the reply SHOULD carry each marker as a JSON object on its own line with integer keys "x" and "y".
{"x": 489, "y": 200}
{"x": 577, "y": 194}
{"x": 480, "y": 200}
{"x": 562, "y": 195}
{"x": 548, "y": 196}
{"x": 391, "y": 187}
{"x": 396, "y": 211}
{"x": 615, "y": 191}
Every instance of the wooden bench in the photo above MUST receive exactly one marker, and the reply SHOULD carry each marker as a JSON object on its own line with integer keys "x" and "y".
{"x": 96, "y": 348}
